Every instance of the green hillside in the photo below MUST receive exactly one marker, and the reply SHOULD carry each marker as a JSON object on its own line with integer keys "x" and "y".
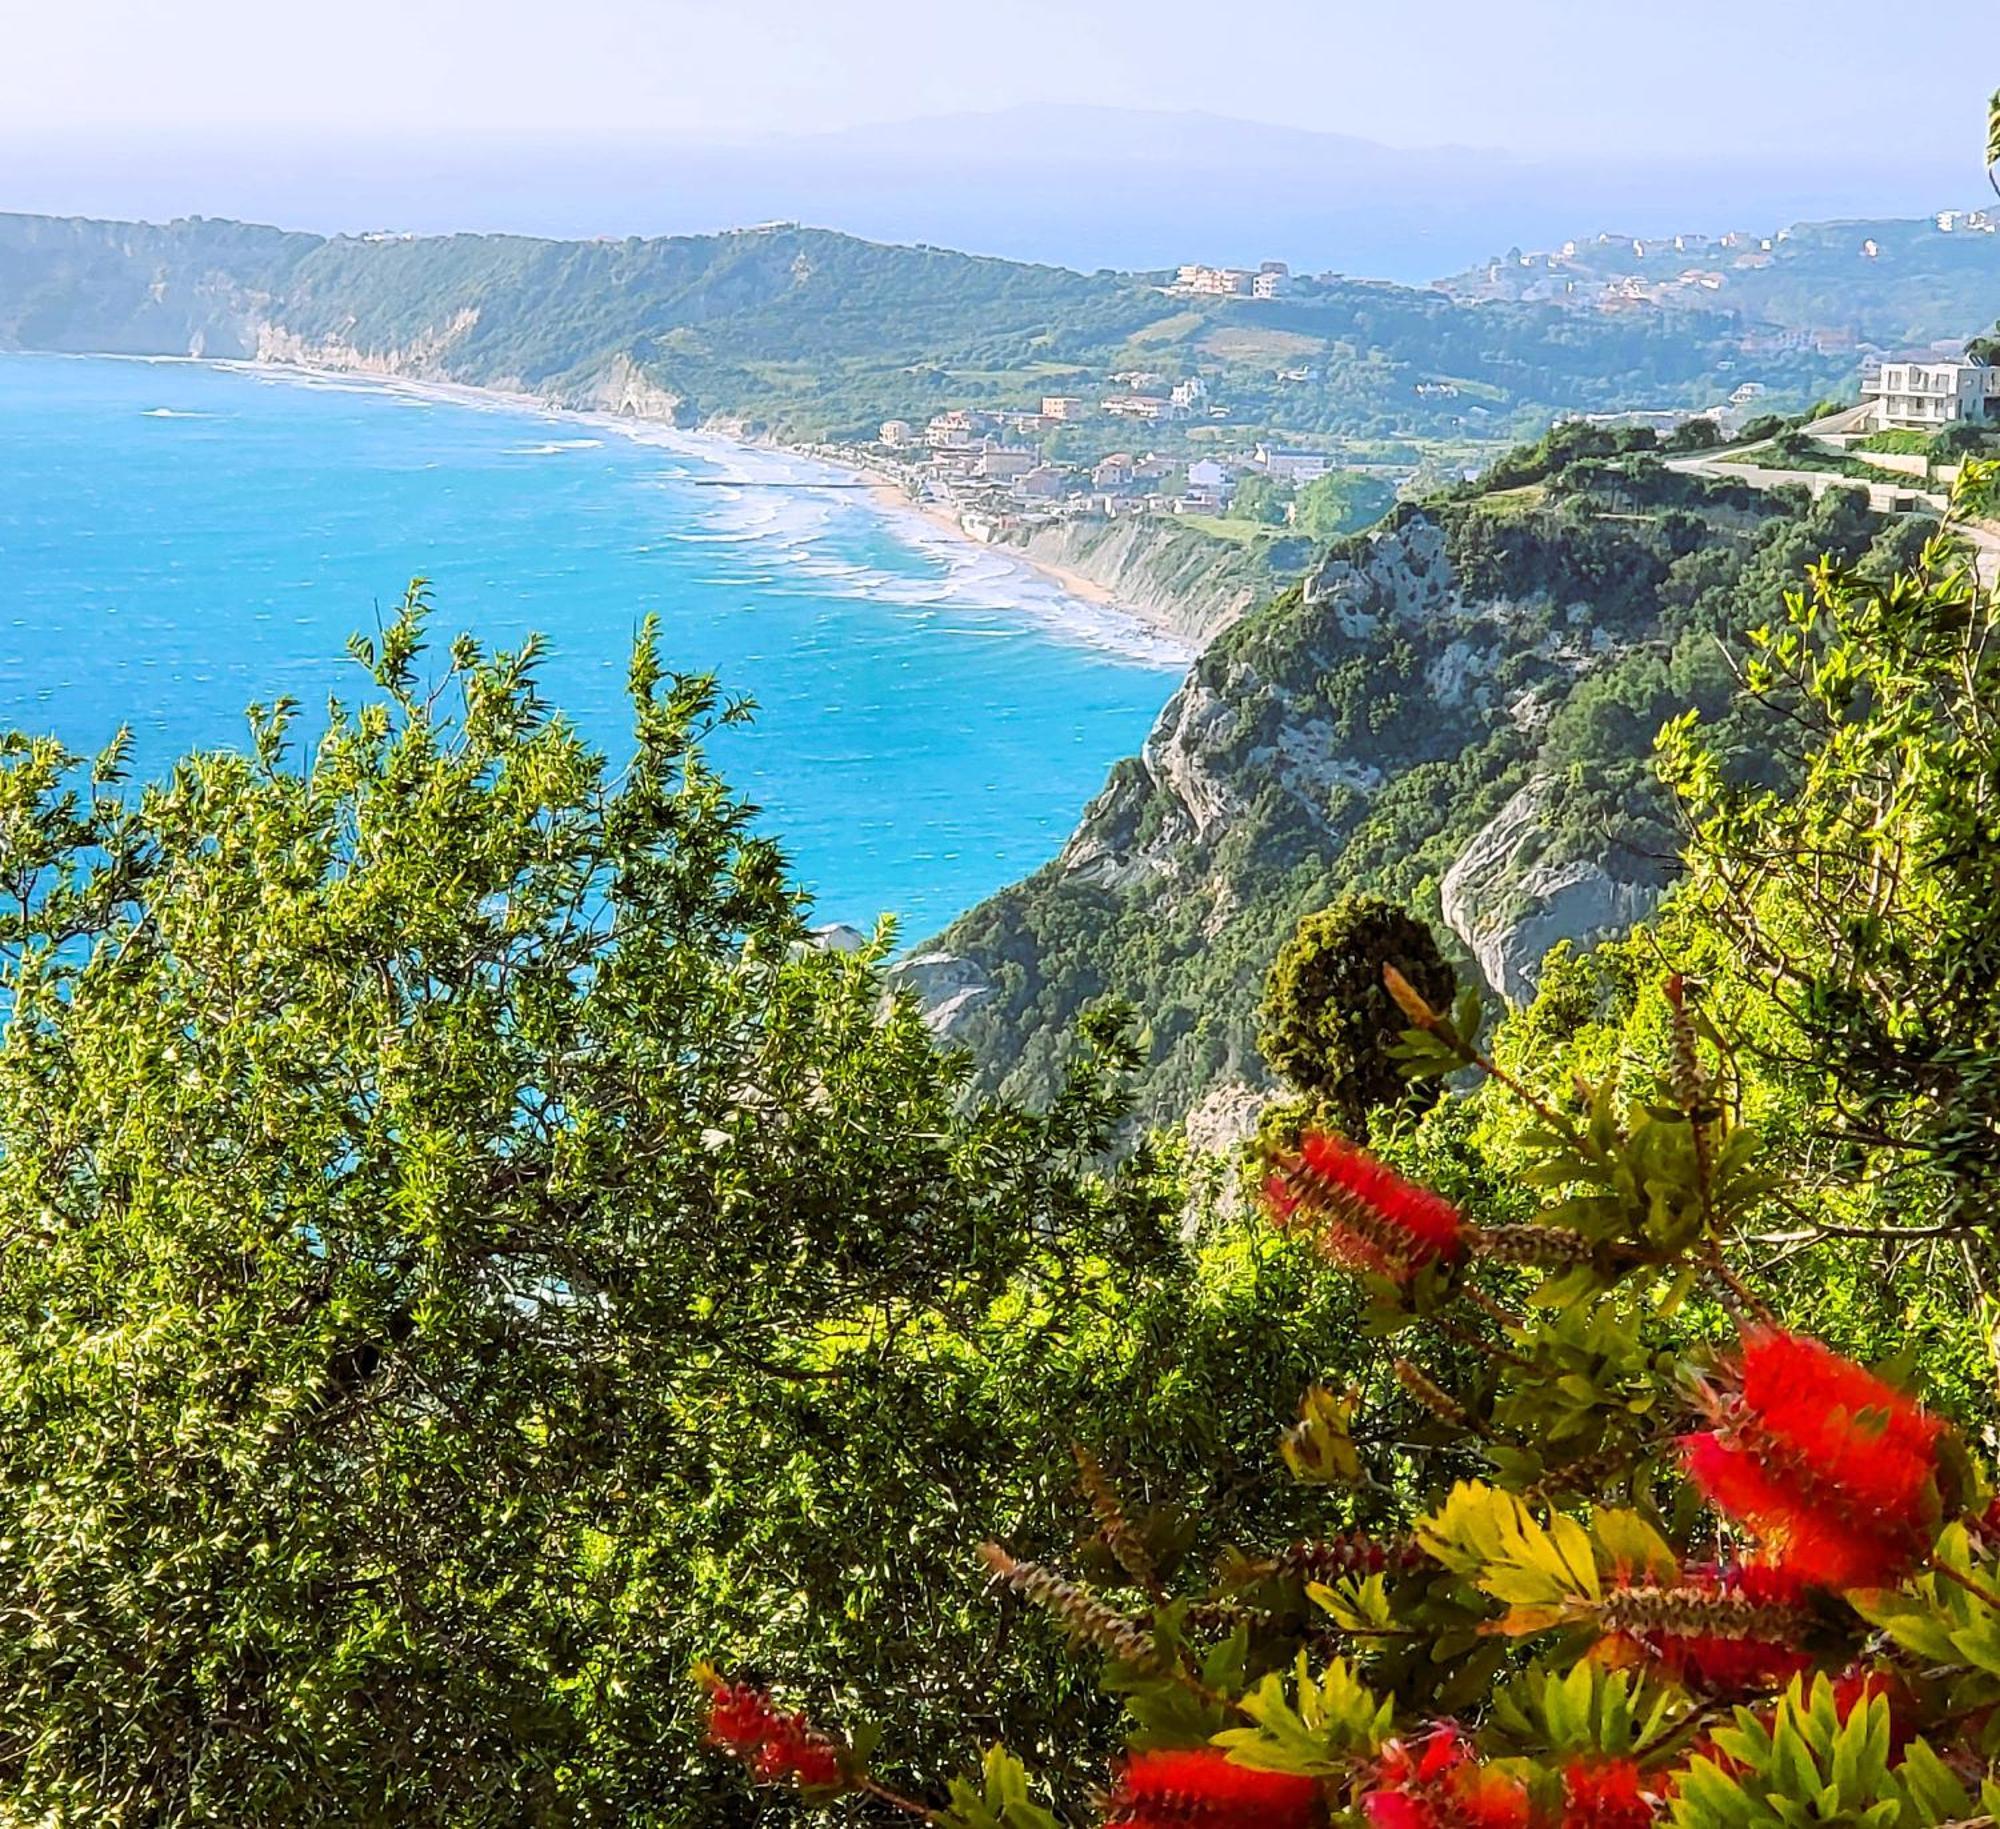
{"x": 811, "y": 334}
{"x": 1483, "y": 675}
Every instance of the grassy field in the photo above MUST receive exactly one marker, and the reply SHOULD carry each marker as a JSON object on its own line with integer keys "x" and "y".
{"x": 1251, "y": 343}
{"x": 1239, "y": 532}
{"x": 1507, "y": 504}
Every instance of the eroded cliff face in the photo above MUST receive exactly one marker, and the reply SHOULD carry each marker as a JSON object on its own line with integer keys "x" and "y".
{"x": 1194, "y": 585}
{"x": 427, "y": 356}
{"x": 1510, "y": 903}
{"x": 1237, "y": 732}
{"x": 1373, "y": 727}
{"x": 626, "y": 390}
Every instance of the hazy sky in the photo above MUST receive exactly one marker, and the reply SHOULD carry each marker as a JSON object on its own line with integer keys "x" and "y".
{"x": 1528, "y": 75}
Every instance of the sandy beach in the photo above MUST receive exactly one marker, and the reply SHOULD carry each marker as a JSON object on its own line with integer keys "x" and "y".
{"x": 891, "y": 497}
{"x": 882, "y": 492}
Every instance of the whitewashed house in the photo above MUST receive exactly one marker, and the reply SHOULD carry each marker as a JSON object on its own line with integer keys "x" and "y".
{"x": 1924, "y": 394}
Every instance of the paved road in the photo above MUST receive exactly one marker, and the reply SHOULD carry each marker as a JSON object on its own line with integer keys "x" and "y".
{"x": 1985, "y": 544}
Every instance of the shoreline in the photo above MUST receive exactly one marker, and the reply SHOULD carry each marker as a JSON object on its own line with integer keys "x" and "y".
{"x": 1163, "y": 642}
{"x": 889, "y": 496}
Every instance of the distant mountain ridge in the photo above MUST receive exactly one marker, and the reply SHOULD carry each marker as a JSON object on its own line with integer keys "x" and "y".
{"x": 1061, "y": 133}
{"x": 1086, "y": 186}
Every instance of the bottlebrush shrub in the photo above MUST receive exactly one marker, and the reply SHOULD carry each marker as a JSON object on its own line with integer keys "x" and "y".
{"x": 1666, "y": 1561}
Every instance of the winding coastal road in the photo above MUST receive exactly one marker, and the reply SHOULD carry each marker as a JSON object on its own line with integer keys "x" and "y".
{"x": 1984, "y": 541}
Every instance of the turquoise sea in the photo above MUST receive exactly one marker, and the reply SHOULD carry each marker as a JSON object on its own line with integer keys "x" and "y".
{"x": 179, "y": 539}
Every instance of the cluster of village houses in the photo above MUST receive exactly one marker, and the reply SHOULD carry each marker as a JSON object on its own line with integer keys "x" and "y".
{"x": 987, "y": 468}
{"x": 990, "y": 469}
{"x": 1675, "y": 269}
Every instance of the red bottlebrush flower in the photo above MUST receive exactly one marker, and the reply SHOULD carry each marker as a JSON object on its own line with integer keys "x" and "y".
{"x": 1198, "y": 1787}
{"x": 779, "y": 1748}
{"x": 740, "y": 1719}
{"x": 1834, "y": 1470}
{"x": 1360, "y": 1212}
{"x": 1440, "y": 1784}
{"x": 1855, "y": 1688}
{"x": 1728, "y": 1631}
{"x": 1605, "y": 1794}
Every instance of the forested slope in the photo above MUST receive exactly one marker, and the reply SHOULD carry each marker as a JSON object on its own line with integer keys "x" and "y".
{"x": 1456, "y": 710}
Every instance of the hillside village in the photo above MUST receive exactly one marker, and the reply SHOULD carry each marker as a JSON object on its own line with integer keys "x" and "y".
{"x": 992, "y": 470}
{"x": 1003, "y": 474}
{"x": 1776, "y": 283}
{"x": 1152, "y": 443}
{"x": 1166, "y": 442}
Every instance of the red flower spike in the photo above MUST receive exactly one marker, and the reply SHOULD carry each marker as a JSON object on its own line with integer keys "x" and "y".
{"x": 1605, "y": 1794}
{"x": 740, "y": 1719}
{"x": 778, "y": 1748}
{"x": 1834, "y": 1470}
{"x": 1440, "y": 1784}
{"x": 1710, "y": 1647}
{"x": 1396, "y": 1810}
{"x": 1199, "y": 1788}
{"x": 1360, "y": 1212}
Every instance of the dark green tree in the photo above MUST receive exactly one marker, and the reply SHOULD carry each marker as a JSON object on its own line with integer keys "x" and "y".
{"x": 1966, "y": 438}
{"x": 1263, "y": 499}
{"x": 1329, "y": 1023}
{"x": 464, "y": 1253}
{"x": 1693, "y": 435}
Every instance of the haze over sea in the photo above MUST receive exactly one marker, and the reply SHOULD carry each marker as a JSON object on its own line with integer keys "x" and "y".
{"x": 180, "y": 539}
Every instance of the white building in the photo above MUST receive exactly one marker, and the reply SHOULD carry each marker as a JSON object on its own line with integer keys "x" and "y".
{"x": 1215, "y": 282}
{"x": 898, "y": 433}
{"x": 1926, "y": 395}
{"x": 1208, "y": 487}
{"x": 1189, "y": 394}
{"x": 1004, "y": 463}
{"x": 1292, "y": 466}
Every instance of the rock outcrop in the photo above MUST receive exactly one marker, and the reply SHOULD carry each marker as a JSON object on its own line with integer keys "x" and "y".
{"x": 1231, "y": 730}
{"x": 948, "y": 989}
{"x": 1510, "y": 904}
{"x": 626, "y": 391}
{"x": 1226, "y": 1116}
{"x": 425, "y": 357}
{"x": 1402, "y": 576}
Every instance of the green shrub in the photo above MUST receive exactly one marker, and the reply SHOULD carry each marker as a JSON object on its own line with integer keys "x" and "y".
{"x": 1329, "y": 1025}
